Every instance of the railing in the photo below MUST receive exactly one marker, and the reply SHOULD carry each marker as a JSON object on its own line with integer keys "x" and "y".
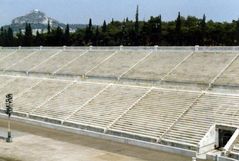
{"x": 157, "y": 48}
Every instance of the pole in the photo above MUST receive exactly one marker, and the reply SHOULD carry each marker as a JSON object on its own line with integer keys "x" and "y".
{"x": 9, "y": 136}
{"x": 9, "y": 110}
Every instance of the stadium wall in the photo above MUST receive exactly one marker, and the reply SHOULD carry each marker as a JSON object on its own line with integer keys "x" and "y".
{"x": 139, "y": 143}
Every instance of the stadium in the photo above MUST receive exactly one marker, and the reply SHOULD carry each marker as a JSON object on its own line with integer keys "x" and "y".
{"x": 182, "y": 100}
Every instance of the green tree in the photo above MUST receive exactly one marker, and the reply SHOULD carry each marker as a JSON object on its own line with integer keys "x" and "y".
{"x": 178, "y": 30}
{"x": 136, "y": 41}
{"x": 203, "y": 29}
{"x": 1, "y": 36}
{"x": 96, "y": 37}
{"x": 89, "y": 33}
{"x": 104, "y": 27}
{"x": 154, "y": 30}
{"x": 28, "y": 38}
{"x": 58, "y": 37}
{"x": 38, "y": 39}
{"x": 10, "y": 38}
{"x": 67, "y": 35}
{"x": 20, "y": 38}
{"x": 237, "y": 33}
{"x": 48, "y": 27}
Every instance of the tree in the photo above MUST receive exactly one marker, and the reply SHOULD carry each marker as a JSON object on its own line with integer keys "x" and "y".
{"x": 159, "y": 29}
{"x": 203, "y": 29}
{"x": 182, "y": 31}
{"x": 48, "y": 27}
{"x": 10, "y": 38}
{"x": 28, "y": 38}
{"x": 88, "y": 33}
{"x": 96, "y": 36}
{"x": 137, "y": 26}
{"x": 67, "y": 35}
{"x": 58, "y": 37}
{"x": 178, "y": 30}
{"x": 237, "y": 33}
{"x": 154, "y": 30}
{"x": 1, "y": 37}
{"x": 90, "y": 25}
{"x": 38, "y": 39}
{"x": 104, "y": 27}
{"x": 20, "y": 38}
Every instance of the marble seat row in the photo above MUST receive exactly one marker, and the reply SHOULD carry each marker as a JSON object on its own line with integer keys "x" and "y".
{"x": 141, "y": 65}
{"x": 158, "y": 114}
{"x": 210, "y": 109}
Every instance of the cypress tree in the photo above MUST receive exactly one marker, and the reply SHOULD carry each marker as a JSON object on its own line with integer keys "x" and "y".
{"x": 203, "y": 29}
{"x": 157, "y": 29}
{"x": 48, "y": 27}
{"x": 20, "y": 38}
{"x": 88, "y": 33}
{"x": 127, "y": 19}
{"x": 38, "y": 39}
{"x": 104, "y": 27}
{"x": 112, "y": 21}
{"x": 137, "y": 26}
{"x": 160, "y": 29}
{"x": 237, "y": 32}
{"x": 58, "y": 36}
{"x": 1, "y": 37}
{"x": 10, "y": 38}
{"x": 97, "y": 36}
{"x": 4, "y": 37}
{"x": 67, "y": 35}
{"x": 90, "y": 25}
{"x": 178, "y": 30}
{"x": 48, "y": 37}
{"x": 137, "y": 20}
{"x": 28, "y": 38}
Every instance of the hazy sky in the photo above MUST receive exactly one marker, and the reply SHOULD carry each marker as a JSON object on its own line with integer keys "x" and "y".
{"x": 79, "y": 11}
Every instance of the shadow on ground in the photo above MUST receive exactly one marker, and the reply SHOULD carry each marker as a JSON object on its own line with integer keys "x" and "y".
{"x": 8, "y": 159}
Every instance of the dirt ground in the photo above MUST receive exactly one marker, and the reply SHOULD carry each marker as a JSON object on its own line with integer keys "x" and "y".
{"x": 31, "y": 143}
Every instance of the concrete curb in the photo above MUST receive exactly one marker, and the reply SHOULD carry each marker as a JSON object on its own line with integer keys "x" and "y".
{"x": 123, "y": 140}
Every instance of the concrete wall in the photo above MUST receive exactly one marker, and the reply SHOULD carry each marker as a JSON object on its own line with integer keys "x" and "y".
{"x": 143, "y": 144}
{"x": 208, "y": 142}
{"x": 221, "y": 158}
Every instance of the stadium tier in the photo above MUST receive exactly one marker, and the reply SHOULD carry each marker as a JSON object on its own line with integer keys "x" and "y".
{"x": 26, "y": 64}
{"x": 83, "y": 63}
{"x": 156, "y": 66}
{"x": 13, "y": 57}
{"x": 53, "y": 64}
{"x": 6, "y": 52}
{"x": 107, "y": 106}
{"x": 116, "y": 104}
{"x": 151, "y": 114}
{"x": 230, "y": 76}
{"x": 75, "y": 96}
{"x": 149, "y": 66}
{"x": 209, "y": 109}
{"x": 200, "y": 68}
{"x": 121, "y": 62}
{"x": 154, "y": 113}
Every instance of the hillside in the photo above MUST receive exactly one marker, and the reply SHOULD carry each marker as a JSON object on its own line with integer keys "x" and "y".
{"x": 39, "y": 21}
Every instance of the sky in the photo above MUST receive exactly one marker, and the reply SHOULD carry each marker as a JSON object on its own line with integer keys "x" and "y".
{"x": 79, "y": 11}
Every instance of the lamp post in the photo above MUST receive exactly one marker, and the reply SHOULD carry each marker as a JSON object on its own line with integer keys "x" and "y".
{"x": 9, "y": 110}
